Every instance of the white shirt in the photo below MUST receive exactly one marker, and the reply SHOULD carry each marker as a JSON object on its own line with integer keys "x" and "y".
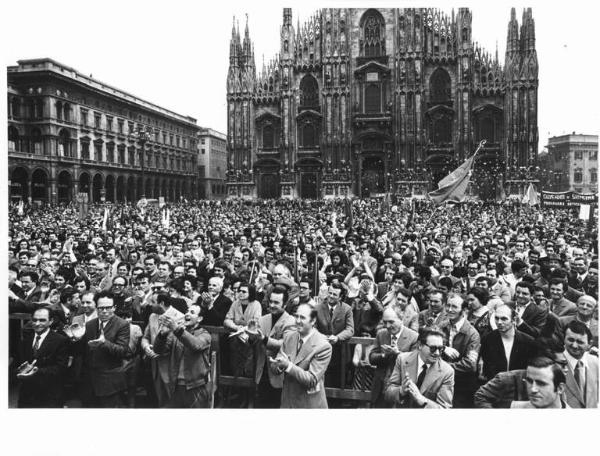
{"x": 42, "y": 337}
{"x": 508, "y": 345}
{"x": 521, "y": 309}
{"x": 573, "y": 363}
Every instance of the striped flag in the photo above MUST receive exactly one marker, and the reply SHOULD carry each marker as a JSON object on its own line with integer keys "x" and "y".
{"x": 454, "y": 186}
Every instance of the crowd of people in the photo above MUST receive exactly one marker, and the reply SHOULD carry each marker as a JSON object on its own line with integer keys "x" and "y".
{"x": 470, "y": 305}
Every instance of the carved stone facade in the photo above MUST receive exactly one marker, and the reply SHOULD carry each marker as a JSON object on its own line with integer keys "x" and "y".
{"x": 367, "y": 101}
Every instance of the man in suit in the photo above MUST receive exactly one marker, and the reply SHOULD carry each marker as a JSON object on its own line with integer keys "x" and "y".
{"x": 421, "y": 379}
{"x": 435, "y": 314}
{"x": 393, "y": 339}
{"x": 545, "y": 381}
{"x": 462, "y": 351}
{"x": 105, "y": 346}
{"x": 303, "y": 359}
{"x": 159, "y": 364}
{"x": 505, "y": 348}
{"x": 559, "y": 305}
{"x": 586, "y": 308}
{"x": 33, "y": 295}
{"x": 502, "y": 390}
{"x": 336, "y": 322}
{"x": 216, "y": 303}
{"x": 582, "y": 373}
{"x": 64, "y": 311}
{"x": 187, "y": 347}
{"x": 45, "y": 355}
{"x": 530, "y": 318}
{"x": 272, "y": 328}
{"x": 88, "y": 308}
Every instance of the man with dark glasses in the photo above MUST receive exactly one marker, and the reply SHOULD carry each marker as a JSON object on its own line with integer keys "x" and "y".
{"x": 421, "y": 379}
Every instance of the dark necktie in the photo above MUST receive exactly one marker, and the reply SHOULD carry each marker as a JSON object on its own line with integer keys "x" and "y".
{"x": 421, "y": 376}
{"x": 331, "y": 313}
{"x": 299, "y": 346}
{"x": 578, "y": 377}
{"x": 36, "y": 345}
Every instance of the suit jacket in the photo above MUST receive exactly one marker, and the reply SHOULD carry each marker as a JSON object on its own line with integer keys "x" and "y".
{"x": 437, "y": 386}
{"x": 191, "y": 347}
{"x": 563, "y": 308}
{"x": 501, "y": 390}
{"x": 534, "y": 319}
{"x": 573, "y": 393}
{"x": 494, "y": 359}
{"x": 276, "y": 333}
{"x": 45, "y": 387}
{"x": 103, "y": 365}
{"x": 303, "y": 385}
{"x": 29, "y": 303}
{"x": 341, "y": 324}
{"x": 217, "y": 313}
{"x": 382, "y": 289}
{"x": 407, "y": 342}
{"x": 426, "y": 318}
{"x": 468, "y": 343}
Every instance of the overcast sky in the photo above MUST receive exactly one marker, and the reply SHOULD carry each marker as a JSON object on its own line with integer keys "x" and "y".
{"x": 175, "y": 53}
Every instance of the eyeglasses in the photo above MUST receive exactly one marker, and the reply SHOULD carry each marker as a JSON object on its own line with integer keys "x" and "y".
{"x": 434, "y": 348}
{"x": 104, "y": 308}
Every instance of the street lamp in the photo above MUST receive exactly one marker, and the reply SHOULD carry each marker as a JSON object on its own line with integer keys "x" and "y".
{"x": 142, "y": 136}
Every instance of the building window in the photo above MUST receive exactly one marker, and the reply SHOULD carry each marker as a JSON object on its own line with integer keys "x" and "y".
{"x": 578, "y": 176}
{"x": 177, "y": 141}
{"x": 110, "y": 152}
{"x": 309, "y": 136}
{"x": 372, "y": 43}
{"x": 109, "y": 123}
{"x": 203, "y": 151}
{"x": 309, "y": 92}
{"x": 15, "y": 107}
{"x": 13, "y": 138}
{"x": 184, "y": 143}
{"x": 164, "y": 138}
{"x": 97, "y": 120}
{"x": 84, "y": 117}
{"x": 593, "y": 176}
{"x": 120, "y": 125}
{"x": 373, "y": 98}
{"x": 202, "y": 141}
{"x": 85, "y": 149}
{"x": 67, "y": 112}
{"x": 36, "y": 141}
{"x": 593, "y": 155}
{"x": 59, "y": 110}
{"x": 130, "y": 127}
{"x": 98, "y": 151}
{"x": 268, "y": 137}
{"x": 121, "y": 154}
{"x": 64, "y": 143}
{"x": 578, "y": 154}
{"x": 131, "y": 157}
{"x": 440, "y": 86}
{"x": 165, "y": 161}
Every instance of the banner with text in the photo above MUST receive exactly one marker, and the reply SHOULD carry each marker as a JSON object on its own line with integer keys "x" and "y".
{"x": 567, "y": 199}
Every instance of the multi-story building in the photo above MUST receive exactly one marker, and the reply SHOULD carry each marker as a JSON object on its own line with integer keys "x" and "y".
{"x": 570, "y": 164}
{"x": 212, "y": 163}
{"x": 365, "y": 101}
{"x": 69, "y": 133}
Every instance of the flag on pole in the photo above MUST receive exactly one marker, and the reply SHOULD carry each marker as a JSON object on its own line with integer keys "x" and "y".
{"x": 454, "y": 186}
{"x": 316, "y": 277}
{"x": 105, "y": 219}
{"x": 348, "y": 213}
{"x": 530, "y": 197}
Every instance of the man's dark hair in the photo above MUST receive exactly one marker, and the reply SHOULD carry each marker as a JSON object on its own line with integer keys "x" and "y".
{"x": 484, "y": 279}
{"x": 558, "y": 376}
{"x": 251, "y": 291}
{"x": 481, "y": 294}
{"x": 580, "y": 328}
{"x": 557, "y": 281}
{"x": 78, "y": 279}
{"x": 104, "y": 294}
{"x": 523, "y": 284}
{"x": 66, "y": 295}
{"x": 445, "y": 282}
{"x": 278, "y": 289}
{"x": 517, "y": 265}
{"x": 35, "y": 278}
{"x": 440, "y": 292}
{"x": 338, "y": 286}
{"x": 425, "y": 332}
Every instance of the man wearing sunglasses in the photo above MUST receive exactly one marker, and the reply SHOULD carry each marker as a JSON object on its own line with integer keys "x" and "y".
{"x": 421, "y": 379}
